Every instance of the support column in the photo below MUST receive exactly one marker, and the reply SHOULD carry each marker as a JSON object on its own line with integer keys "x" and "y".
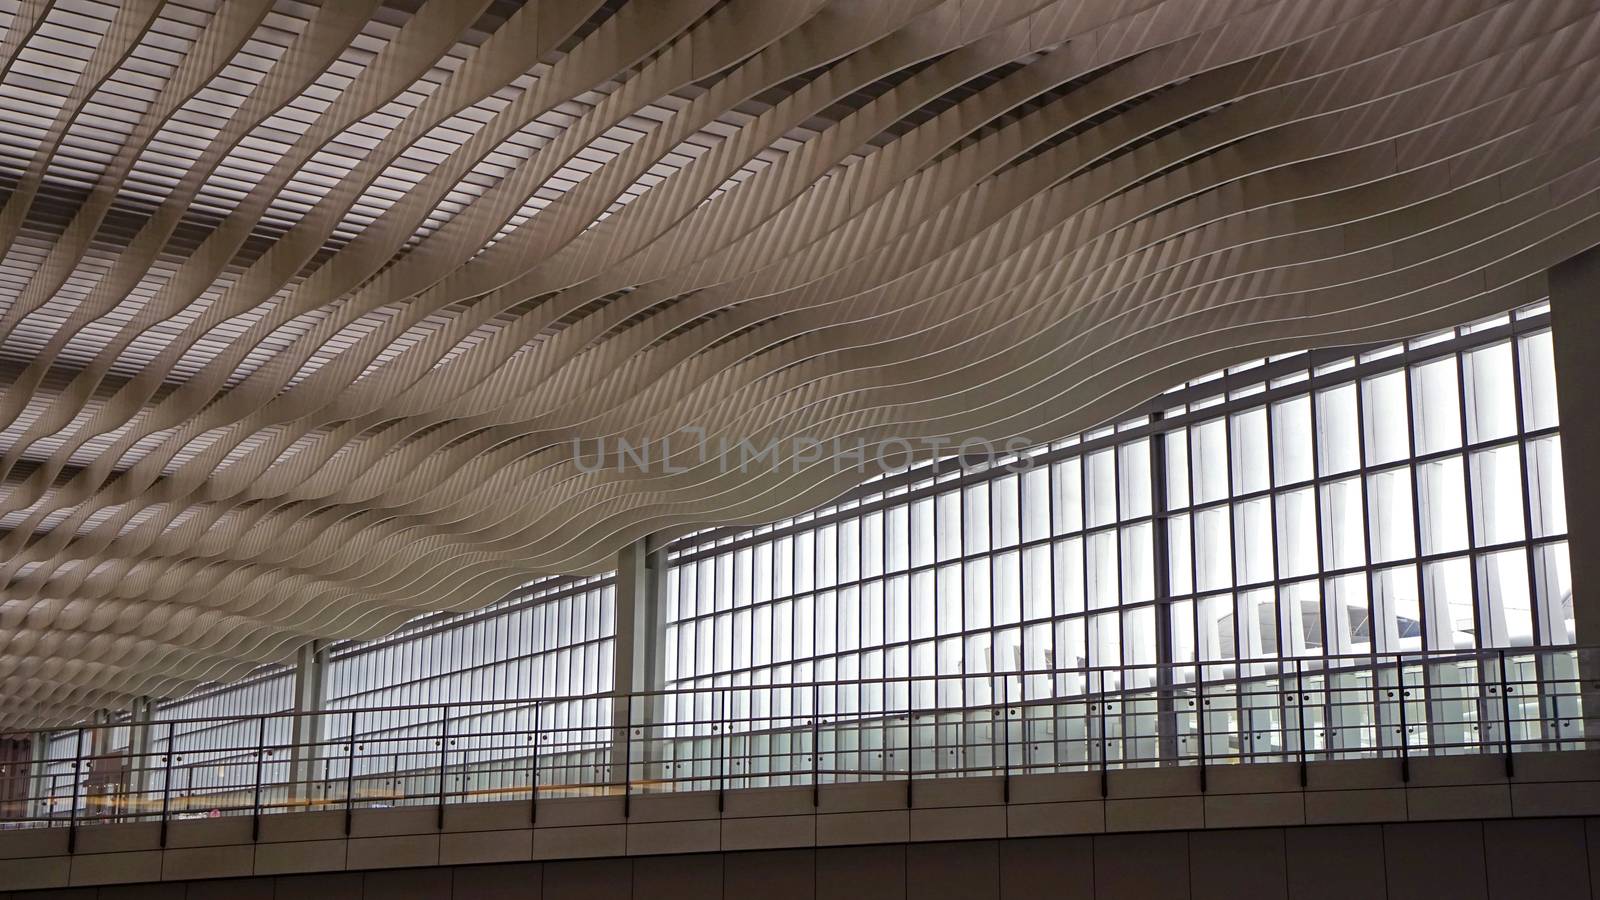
{"x": 1167, "y": 709}
{"x": 1575, "y": 333}
{"x": 310, "y": 663}
{"x": 38, "y": 775}
{"x": 638, "y": 661}
{"x": 140, "y": 762}
{"x": 99, "y": 798}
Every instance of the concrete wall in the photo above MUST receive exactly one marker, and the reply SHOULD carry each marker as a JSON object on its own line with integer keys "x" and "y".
{"x": 936, "y": 827}
{"x": 1575, "y": 332}
{"x": 1549, "y": 858}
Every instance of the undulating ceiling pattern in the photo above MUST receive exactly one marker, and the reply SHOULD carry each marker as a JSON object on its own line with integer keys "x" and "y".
{"x": 302, "y": 308}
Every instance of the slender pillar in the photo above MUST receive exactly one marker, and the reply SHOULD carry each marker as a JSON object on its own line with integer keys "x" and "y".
{"x": 1166, "y": 681}
{"x": 140, "y": 762}
{"x": 638, "y": 666}
{"x": 98, "y": 757}
{"x": 39, "y": 778}
{"x": 310, "y": 663}
{"x": 1575, "y": 333}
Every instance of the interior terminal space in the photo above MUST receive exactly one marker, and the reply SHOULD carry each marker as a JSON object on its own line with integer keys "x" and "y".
{"x": 747, "y": 449}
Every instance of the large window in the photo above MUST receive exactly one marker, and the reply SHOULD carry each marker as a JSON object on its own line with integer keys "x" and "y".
{"x": 1308, "y": 526}
{"x": 473, "y": 675}
{"x": 1311, "y": 506}
{"x": 455, "y": 694}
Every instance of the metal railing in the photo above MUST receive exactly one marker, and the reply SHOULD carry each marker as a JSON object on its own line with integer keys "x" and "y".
{"x": 731, "y": 737}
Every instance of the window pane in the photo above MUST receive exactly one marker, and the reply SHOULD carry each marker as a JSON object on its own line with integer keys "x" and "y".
{"x": 1213, "y": 548}
{"x": 1069, "y": 579}
{"x": 1497, "y": 495}
{"x": 1100, "y": 488}
{"x": 1250, "y": 465}
{"x": 1390, "y": 515}
{"x": 947, "y": 525}
{"x": 1291, "y": 440}
{"x": 1036, "y": 504}
{"x": 1538, "y": 367}
{"x": 1139, "y": 645}
{"x": 1036, "y": 582}
{"x": 1180, "y": 568}
{"x": 1346, "y": 620}
{"x": 1297, "y": 533}
{"x": 1396, "y": 609}
{"x": 1210, "y": 460}
{"x": 1182, "y": 622}
{"x": 1435, "y": 403}
{"x": 1004, "y": 508}
{"x": 1554, "y": 575}
{"x": 1133, "y": 474}
{"x": 1066, "y": 482}
{"x": 1343, "y": 525}
{"x": 975, "y": 529}
{"x": 1103, "y": 564}
{"x": 1338, "y": 449}
{"x": 1441, "y": 498}
{"x": 1448, "y": 587}
{"x": 1214, "y": 619}
{"x": 1253, "y": 540}
{"x": 1258, "y": 624}
{"x": 1300, "y": 610}
{"x": 948, "y": 595}
{"x": 1547, "y": 496}
{"x": 1176, "y": 449}
{"x": 1491, "y": 406}
{"x": 1383, "y": 407}
{"x": 1504, "y": 612}
{"x": 1138, "y": 564}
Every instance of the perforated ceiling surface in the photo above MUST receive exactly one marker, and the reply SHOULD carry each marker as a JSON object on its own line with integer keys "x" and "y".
{"x": 302, "y": 308}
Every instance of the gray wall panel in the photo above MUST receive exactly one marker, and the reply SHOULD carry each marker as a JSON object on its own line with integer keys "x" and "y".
{"x": 967, "y": 870}
{"x": 1139, "y": 866}
{"x": 1247, "y": 864}
{"x": 878, "y": 872}
{"x": 770, "y": 875}
{"x": 1428, "y": 860}
{"x": 1335, "y": 862}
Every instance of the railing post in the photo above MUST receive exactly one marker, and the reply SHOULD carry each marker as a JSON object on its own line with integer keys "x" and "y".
{"x": 166, "y": 781}
{"x": 261, "y": 753}
{"x": 1405, "y": 743}
{"x": 1200, "y": 720}
{"x": 1301, "y": 703}
{"x": 911, "y": 742}
{"x": 627, "y": 758}
{"x": 350, "y": 775}
{"x": 816, "y": 746}
{"x": 1505, "y": 714}
{"x": 1005, "y": 742}
{"x": 1105, "y": 778}
{"x": 1555, "y": 713}
{"x": 72, "y": 811}
{"x": 911, "y": 754}
{"x": 533, "y": 802}
{"x": 444, "y": 757}
{"x": 719, "y": 714}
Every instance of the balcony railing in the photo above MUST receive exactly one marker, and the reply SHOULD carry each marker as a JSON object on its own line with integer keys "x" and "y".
{"x": 729, "y": 737}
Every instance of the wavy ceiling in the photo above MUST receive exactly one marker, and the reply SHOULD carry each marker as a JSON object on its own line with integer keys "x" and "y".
{"x": 302, "y": 308}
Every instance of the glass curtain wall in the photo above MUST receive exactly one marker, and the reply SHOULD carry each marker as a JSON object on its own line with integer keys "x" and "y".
{"x": 218, "y": 755}
{"x": 477, "y": 686}
{"x": 470, "y": 682}
{"x": 1149, "y": 591}
{"x": 1291, "y": 517}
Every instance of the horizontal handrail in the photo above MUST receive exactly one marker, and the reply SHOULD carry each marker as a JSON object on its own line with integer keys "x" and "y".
{"x": 1334, "y": 663}
{"x": 1086, "y": 718}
